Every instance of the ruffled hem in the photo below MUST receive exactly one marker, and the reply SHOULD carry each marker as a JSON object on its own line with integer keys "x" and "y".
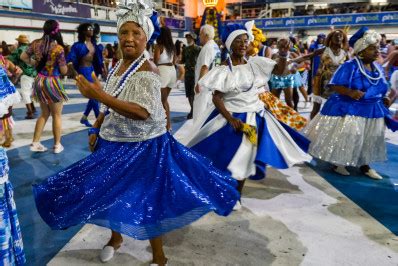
{"x": 49, "y": 90}
{"x": 118, "y": 187}
{"x": 278, "y": 145}
{"x": 349, "y": 140}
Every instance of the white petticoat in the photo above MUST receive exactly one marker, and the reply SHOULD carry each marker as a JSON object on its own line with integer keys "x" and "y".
{"x": 349, "y": 140}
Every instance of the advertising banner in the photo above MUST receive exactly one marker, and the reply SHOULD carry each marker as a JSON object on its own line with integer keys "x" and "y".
{"x": 60, "y": 7}
{"x": 174, "y": 24}
{"x": 342, "y": 20}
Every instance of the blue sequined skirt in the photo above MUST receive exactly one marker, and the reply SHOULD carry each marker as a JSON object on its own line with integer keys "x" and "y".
{"x": 141, "y": 189}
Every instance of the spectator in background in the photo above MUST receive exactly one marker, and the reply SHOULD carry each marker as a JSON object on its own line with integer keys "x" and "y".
{"x": 85, "y": 58}
{"x": 209, "y": 57}
{"x": 165, "y": 58}
{"x": 48, "y": 55}
{"x": 189, "y": 57}
{"x": 316, "y": 60}
{"x": 28, "y": 77}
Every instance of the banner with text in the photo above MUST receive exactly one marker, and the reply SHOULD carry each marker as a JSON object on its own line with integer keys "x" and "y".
{"x": 60, "y": 7}
{"x": 382, "y": 18}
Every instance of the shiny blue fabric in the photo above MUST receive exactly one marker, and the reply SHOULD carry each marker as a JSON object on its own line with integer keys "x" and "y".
{"x": 141, "y": 189}
{"x": 79, "y": 50}
{"x": 225, "y": 142}
{"x": 92, "y": 104}
{"x": 369, "y": 106}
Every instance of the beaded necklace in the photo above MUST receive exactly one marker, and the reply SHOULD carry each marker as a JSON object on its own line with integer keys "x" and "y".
{"x": 369, "y": 78}
{"x": 130, "y": 71}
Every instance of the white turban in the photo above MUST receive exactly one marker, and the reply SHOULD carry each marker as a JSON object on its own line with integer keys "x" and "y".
{"x": 138, "y": 11}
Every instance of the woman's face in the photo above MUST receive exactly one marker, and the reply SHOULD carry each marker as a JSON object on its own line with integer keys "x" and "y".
{"x": 132, "y": 40}
{"x": 239, "y": 45}
{"x": 338, "y": 38}
{"x": 371, "y": 53}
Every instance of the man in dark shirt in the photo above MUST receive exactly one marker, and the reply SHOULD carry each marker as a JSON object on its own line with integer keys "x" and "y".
{"x": 189, "y": 57}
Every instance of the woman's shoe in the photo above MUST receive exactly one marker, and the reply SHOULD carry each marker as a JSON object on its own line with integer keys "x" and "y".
{"x": 373, "y": 174}
{"x": 341, "y": 170}
{"x": 37, "y": 147}
{"x": 237, "y": 206}
{"x": 107, "y": 253}
{"x": 85, "y": 122}
{"x": 58, "y": 148}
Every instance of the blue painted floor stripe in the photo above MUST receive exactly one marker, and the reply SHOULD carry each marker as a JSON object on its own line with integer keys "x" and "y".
{"x": 377, "y": 197}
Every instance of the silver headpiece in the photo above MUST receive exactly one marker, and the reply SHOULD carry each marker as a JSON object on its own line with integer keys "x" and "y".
{"x": 138, "y": 11}
{"x": 370, "y": 37}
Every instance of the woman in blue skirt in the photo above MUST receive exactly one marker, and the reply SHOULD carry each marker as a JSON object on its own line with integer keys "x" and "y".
{"x": 224, "y": 133}
{"x": 139, "y": 181}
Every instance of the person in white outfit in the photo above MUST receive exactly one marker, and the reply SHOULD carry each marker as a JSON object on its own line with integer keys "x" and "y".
{"x": 165, "y": 58}
{"x": 209, "y": 57}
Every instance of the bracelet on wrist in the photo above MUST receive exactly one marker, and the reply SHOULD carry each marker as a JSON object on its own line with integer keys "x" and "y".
{"x": 93, "y": 131}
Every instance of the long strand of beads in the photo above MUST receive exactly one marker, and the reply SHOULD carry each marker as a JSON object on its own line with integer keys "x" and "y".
{"x": 134, "y": 66}
{"x": 370, "y": 79}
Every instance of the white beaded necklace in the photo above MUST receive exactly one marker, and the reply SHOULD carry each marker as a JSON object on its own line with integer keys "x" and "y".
{"x": 130, "y": 71}
{"x": 370, "y": 78}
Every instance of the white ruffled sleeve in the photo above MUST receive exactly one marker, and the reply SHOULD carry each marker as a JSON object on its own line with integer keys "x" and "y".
{"x": 217, "y": 79}
{"x": 263, "y": 65}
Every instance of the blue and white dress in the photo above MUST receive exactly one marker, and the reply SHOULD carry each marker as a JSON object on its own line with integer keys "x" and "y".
{"x": 11, "y": 246}
{"x": 278, "y": 145}
{"x": 8, "y": 94}
{"x": 140, "y": 181}
{"x": 351, "y": 132}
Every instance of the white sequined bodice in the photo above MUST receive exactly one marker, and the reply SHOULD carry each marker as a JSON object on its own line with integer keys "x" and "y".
{"x": 143, "y": 88}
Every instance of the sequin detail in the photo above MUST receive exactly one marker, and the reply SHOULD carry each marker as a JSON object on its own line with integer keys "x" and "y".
{"x": 143, "y": 88}
{"x": 349, "y": 140}
{"x": 141, "y": 189}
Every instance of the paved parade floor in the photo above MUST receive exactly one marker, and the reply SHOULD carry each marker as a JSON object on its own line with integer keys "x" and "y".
{"x": 303, "y": 215}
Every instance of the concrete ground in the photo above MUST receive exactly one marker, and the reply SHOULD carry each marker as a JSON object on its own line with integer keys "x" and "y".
{"x": 292, "y": 217}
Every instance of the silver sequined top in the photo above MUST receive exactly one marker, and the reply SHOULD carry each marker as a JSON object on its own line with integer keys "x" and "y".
{"x": 143, "y": 88}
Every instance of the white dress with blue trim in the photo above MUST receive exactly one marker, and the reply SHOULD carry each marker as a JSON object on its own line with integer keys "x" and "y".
{"x": 351, "y": 132}
{"x": 278, "y": 145}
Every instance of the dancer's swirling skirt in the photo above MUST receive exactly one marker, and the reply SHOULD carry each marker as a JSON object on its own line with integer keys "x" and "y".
{"x": 141, "y": 189}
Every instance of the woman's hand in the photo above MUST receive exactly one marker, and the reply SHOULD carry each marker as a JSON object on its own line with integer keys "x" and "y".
{"x": 387, "y": 101}
{"x": 356, "y": 94}
{"x": 237, "y": 124}
{"x": 92, "y": 139}
{"x": 90, "y": 90}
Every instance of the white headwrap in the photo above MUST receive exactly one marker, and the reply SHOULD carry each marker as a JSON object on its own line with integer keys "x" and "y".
{"x": 232, "y": 36}
{"x": 138, "y": 11}
{"x": 370, "y": 37}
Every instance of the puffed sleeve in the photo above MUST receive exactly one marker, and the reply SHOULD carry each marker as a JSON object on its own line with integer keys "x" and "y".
{"x": 217, "y": 79}
{"x": 344, "y": 75}
{"x": 264, "y": 65}
{"x": 144, "y": 90}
